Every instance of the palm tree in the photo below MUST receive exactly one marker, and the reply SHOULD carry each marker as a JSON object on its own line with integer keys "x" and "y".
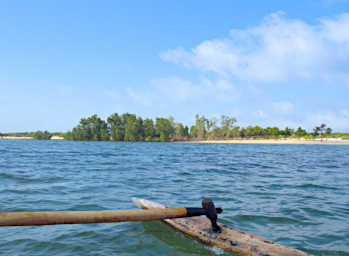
{"x": 316, "y": 130}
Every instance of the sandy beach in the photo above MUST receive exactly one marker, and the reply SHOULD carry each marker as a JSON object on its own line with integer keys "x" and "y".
{"x": 277, "y": 141}
{"x": 15, "y": 138}
{"x": 27, "y": 138}
{"x": 57, "y": 138}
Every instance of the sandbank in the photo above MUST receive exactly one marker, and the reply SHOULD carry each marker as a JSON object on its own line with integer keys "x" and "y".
{"x": 57, "y": 138}
{"x": 15, "y": 138}
{"x": 277, "y": 141}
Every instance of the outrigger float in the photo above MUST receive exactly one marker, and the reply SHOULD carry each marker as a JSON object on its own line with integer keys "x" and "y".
{"x": 186, "y": 220}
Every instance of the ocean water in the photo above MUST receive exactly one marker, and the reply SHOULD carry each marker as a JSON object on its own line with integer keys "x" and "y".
{"x": 297, "y": 195}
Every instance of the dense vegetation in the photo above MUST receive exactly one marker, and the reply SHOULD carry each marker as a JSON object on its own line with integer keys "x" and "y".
{"x": 126, "y": 127}
{"x": 129, "y": 127}
{"x": 42, "y": 135}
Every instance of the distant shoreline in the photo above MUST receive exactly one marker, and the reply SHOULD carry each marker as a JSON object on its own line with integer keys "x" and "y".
{"x": 277, "y": 141}
{"x": 332, "y": 141}
{"x": 15, "y": 138}
{"x": 27, "y": 138}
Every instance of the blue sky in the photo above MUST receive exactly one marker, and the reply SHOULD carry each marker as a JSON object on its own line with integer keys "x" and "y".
{"x": 283, "y": 63}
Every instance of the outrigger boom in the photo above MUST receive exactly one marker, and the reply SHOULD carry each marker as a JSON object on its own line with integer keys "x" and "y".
{"x": 85, "y": 217}
{"x": 205, "y": 230}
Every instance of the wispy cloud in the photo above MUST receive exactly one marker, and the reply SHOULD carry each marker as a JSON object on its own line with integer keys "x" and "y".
{"x": 278, "y": 50}
{"x": 283, "y": 107}
{"x": 177, "y": 90}
{"x": 233, "y": 73}
{"x": 144, "y": 98}
{"x": 282, "y": 114}
{"x": 334, "y": 2}
{"x": 338, "y": 119}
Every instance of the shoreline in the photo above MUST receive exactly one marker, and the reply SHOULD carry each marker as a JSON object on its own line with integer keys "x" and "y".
{"x": 15, "y": 138}
{"x": 27, "y": 138}
{"x": 329, "y": 141}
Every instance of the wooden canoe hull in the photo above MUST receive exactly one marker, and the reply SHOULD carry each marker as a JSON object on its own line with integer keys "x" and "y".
{"x": 234, "y": 240}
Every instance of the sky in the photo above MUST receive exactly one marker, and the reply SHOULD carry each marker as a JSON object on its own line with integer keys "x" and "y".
{"x": 266, "y": 63}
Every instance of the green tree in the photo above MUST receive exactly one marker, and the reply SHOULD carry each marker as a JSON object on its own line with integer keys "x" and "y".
{"x": 99, "y": 128}
{"x": 68, "y": 135}
{"x": 179, "y": 131}
{"x": 42, "y": 135}
{"x": 257, "y": 131}
{"x": 92, "y": 128}
{"x": 200, "y": 126}
{"x": 267, "y": 132}
{"x": 193, "y": 132}
{"x": 243, "y": 132}
{"x": 164, "y": 129}
{"x": 212, "y": 129}
{"x": 250, "y": 131}
{"x": 116, "y": 127}
{"x": 287, "y": 132}
{"x": 275, "y": 132}
{"x": 226, "y": 125}
{"x": 322, "y": 129}
{"x": 316, "y": 130}
{"x": 139, "y": 129}
{"x": 149, "y": 130}
{"x": 235, "y": 132}
{"x": 300, "y": 132}
{"x": 186, "y": 131}
{"x": 131, "y": 127}
{"x": 328, "y": 131}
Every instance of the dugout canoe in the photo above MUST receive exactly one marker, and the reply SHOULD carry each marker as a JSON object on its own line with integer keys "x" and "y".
{"x": 236, "y": 241}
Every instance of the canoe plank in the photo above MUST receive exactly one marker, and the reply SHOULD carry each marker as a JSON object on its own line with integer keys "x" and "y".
{"x": 234, "y": 240}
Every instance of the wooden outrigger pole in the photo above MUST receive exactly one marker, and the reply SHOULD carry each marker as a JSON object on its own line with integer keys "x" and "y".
{"x": 206, "y": 230}
{"x": 85, "y": 217}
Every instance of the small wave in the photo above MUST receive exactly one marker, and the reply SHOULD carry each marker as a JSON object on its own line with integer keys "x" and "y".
{"x": 8, "y": 176}
{"x": 26, "y": 179}
{"x": 326, "y": 252}
{"x": 110, "y": 163}
{"x": 315, "y": 186}
{"x": 316, "y": 212}
{"x": 270, "y": 219}
{"x": 86, "y": 207}
{"x": 17, "y": 191}
{"x": 76, "y": 235}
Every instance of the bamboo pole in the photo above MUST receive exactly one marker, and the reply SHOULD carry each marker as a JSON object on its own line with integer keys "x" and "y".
{"x": 84, "y": 217}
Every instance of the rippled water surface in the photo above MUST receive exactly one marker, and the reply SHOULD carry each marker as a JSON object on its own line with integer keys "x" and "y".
{"x": 297, "y": 195}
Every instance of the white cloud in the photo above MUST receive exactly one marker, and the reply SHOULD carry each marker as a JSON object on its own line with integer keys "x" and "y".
{"x": 177, "y": 90}
{"x": 260, "y": 114}
{"x": 140, "y": 97}
{"x": 339, "y": 120}
{"x": 276, "y": 51}
{"x": 333, "y": 2}
{"x": 283, "y": 107}
{"x": 281, "y": 114}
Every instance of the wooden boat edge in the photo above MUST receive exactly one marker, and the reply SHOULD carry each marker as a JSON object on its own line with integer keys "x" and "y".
{"x": 145, "y": 204}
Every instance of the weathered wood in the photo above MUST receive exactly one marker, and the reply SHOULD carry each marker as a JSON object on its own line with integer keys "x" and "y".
{"x": 84, "y": 217}
{"x": 234, "y": 240}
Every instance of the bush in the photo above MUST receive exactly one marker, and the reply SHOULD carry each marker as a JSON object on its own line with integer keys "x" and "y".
{"x": 42, "y": 135}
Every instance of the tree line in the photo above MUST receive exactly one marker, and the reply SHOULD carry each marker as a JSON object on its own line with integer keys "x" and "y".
{"x": 126, "y": 127}
{"x": 129, "y": 127}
